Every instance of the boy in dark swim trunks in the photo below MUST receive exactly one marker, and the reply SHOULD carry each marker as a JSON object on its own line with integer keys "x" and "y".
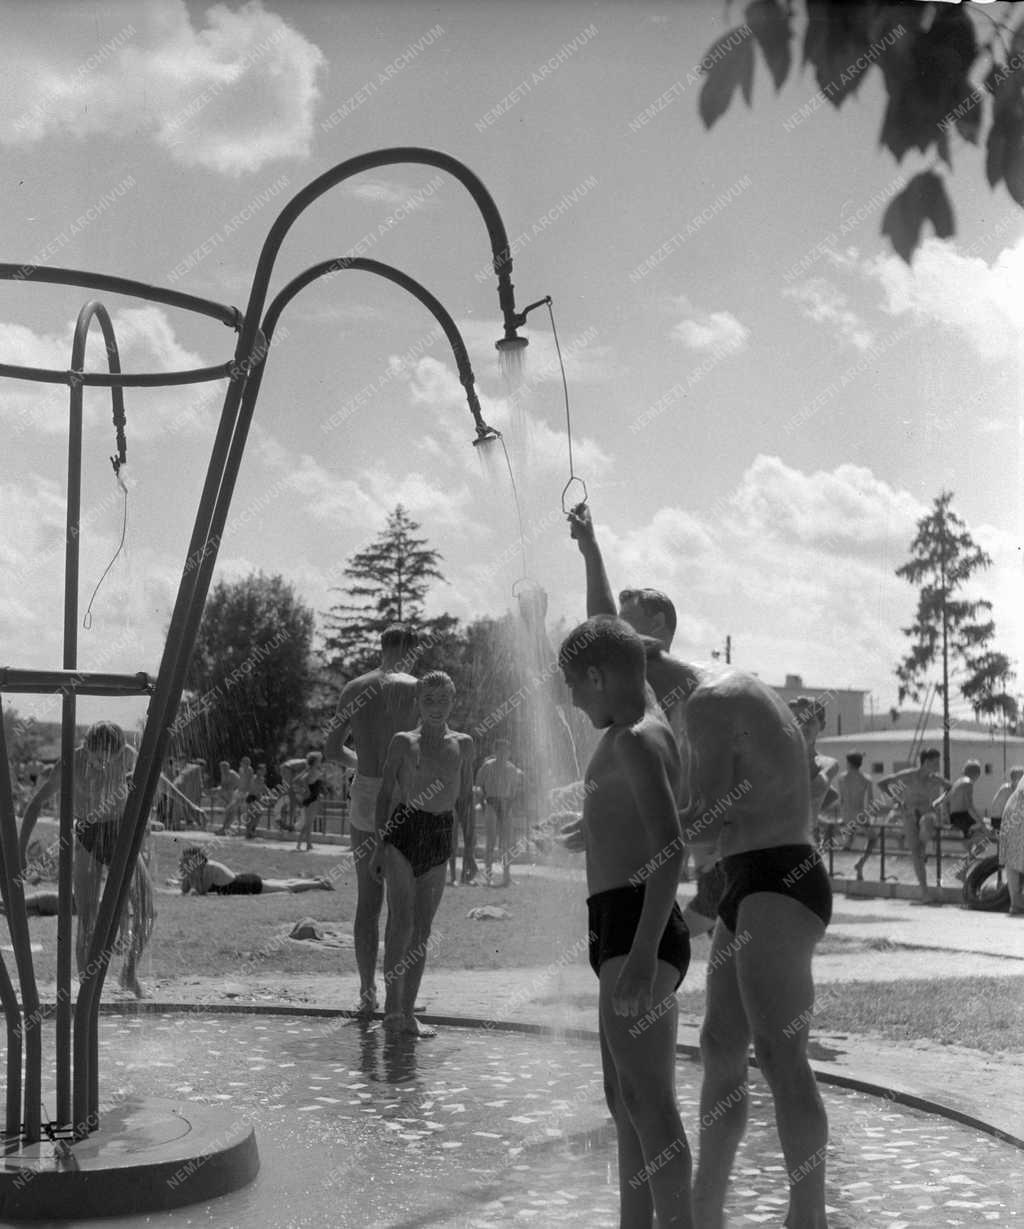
{"x": 639, "y": 946}
{"x": 750, "y": 788}
{"x": 427, "y": 773}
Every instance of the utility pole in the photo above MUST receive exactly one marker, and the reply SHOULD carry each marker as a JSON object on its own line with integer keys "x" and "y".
{"x": 717, "y": 653}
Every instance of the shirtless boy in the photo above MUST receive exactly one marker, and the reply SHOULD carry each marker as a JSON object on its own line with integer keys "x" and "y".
{"x": 915, "y": 792}
{"x": 428, "y": 772}
{"x": 959, "y": 800}
{"x": 750, "y": 789}
{"x": 372, "y": 709}
{"x": 103, "y": 765}
{"x": 652, "y": 615}
{"x": 639, "y": 946}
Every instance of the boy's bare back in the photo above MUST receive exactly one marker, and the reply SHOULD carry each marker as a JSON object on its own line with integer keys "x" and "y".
{"x": 749, "y": 779}
{"x": 378, "y": 705}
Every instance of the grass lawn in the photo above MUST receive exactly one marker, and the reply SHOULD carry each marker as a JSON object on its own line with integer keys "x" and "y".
{"x": 231, "y": 937}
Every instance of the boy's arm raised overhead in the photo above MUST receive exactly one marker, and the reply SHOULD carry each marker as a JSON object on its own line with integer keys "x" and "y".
{"x": 643, "y": 766}
{"x": 599, "y": 592}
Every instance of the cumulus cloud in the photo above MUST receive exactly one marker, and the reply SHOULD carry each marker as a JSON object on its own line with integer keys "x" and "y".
{"x": 824, "y": 303}
{"x": 363, "y": 502}
{"x": 982, "y": 302}
{"x": 229, "y": 95}
{"x": 391, "y": 192}
{"x": 146, "y": 342}
{"x": 709, "y": 330}
{"x": 531, "y": 440}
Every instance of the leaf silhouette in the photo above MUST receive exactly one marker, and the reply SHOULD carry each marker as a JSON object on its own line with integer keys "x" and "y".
{"x": 734, "y": 68}
{"x": 923, "y": 199}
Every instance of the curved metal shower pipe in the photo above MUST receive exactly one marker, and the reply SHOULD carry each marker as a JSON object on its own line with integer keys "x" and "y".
{"x": 211, "y": 517}
{"x": 328, "y": 267}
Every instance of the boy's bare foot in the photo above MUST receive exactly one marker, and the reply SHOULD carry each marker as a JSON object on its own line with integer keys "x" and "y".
{"x": 132, "y": 985}
{"x": 325, "y": 882}
{"x": 408, "y": 1026}
{"x": 367, "y": 1005}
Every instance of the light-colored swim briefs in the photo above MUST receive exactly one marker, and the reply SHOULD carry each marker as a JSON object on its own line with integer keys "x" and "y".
{"x": 362, "y": 802}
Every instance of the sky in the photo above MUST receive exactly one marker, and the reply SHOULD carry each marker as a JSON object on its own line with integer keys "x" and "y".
{"x": 764, "y": 399}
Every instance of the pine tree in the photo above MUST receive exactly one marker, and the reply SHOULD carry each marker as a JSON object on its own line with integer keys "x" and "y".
{"x": 390, "y": 580}
{"x": 948, "y": 628}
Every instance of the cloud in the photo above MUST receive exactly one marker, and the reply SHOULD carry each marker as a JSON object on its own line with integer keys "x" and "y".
{"x": 709, "y": 330}
{"x": 846, "y": 509}
{"x": 824, "y": 303}
{"x": 146, "y": 342}
{"x": 533, "y": 444}
{"x": 797, "y": 567}
{"x": 228, "y": 96}
{"x": 363, "y": 503}
{"x": 983, "y": 303}
{"x": 390, "y": 192}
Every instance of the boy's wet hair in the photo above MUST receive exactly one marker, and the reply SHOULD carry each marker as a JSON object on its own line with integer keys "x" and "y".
{"x": 972, "y": 766}
{"x": 855, "y": 759}
{"x": 399, "y": 636}
{"x": 603, "y": 642}
{"x": 314, "y": 757}
{"x": 192, "y": 857}
{"x": 928, "y": 753}
{"x": 433, "y": 680}
{"x": 806, "y": 709}
{"x": 104, "y": 736}
{"x": 652, "y": 602}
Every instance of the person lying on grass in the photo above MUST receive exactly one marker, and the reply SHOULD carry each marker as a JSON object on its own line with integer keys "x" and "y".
{"x": 199, "y": 876}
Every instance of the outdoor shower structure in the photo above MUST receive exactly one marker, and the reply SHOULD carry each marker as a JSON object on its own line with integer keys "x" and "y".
{"x": 76, "y": 1031}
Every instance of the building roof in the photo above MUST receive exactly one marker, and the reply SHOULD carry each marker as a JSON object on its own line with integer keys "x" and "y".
{"x": 932, "y": 738}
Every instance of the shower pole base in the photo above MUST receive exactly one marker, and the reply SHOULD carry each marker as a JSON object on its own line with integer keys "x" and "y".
{"x": 147, "y": 1155}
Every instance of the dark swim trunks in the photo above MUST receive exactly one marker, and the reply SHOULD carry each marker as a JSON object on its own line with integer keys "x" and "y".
{"x": 313, "y": 793}
{"x": 710, "y": 886}
{"x": 422, "y": 837}
{"x": 789, "y": 870}
{"x": 962, "y": 821}
{"x": 246, "y": 884}
{"x": 614, "y": 916}
{"x": 98, "y": 840}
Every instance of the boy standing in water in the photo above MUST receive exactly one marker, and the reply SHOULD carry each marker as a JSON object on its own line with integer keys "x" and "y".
{"x": 428, "y": 773}
{"x": 639, "y": 946}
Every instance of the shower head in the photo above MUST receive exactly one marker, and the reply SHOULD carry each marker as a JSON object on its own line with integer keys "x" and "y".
{"x": 485, "y": 434}
{"x": 512, "y": 343}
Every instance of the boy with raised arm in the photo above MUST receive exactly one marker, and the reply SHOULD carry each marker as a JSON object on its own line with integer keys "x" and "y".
{"x": 639, "y": 946}
{"x": 652, "y": 615}
{"x": 428, "y": 772}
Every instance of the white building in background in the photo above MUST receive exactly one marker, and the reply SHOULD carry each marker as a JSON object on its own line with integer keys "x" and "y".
{"x": 888, "y": 751}
{"x": 844, "y": 708}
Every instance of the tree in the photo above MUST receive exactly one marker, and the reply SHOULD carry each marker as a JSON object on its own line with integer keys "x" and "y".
{"x": 392, "y": 577}
{"x": 249, "y": 678}
{"x": 944, "y": 558}
{"x": 927, "y": 55}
